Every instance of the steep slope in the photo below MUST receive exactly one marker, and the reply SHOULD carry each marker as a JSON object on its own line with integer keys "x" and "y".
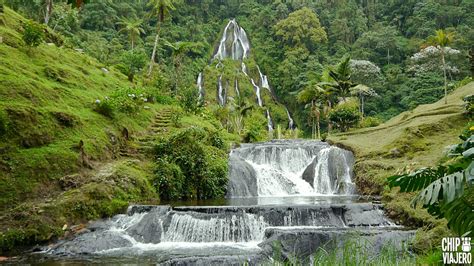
{"x": 56, "y": 150}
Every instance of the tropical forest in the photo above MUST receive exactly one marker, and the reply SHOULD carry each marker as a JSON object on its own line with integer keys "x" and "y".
{"x": 236, "y": 132}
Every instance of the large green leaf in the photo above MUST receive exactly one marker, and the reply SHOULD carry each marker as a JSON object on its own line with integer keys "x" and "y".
{"x": 416, "y": 180}
{"x": 446, "y": 188}
{"x": 460, "y": 216}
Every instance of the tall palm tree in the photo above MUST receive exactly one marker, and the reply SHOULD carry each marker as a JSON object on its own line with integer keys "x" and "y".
{"x": 132, "y": 27}
{"x": 179, "y": 49}
{"x": 315, "y": 95}
{"x": 341, "y": 76}
{"x": 442, "y": 39}
{"x": 49, "y": 11}
{"x": 160, "y": 8}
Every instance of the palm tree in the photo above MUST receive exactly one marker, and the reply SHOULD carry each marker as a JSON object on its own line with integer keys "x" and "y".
{"x": 179, "y": 49}
{"x": 132, "y": 27}
{"x": 341, "y": 76}
{"x": 160, "y": 8}
{"x": 315, "y": 95}
{"x": 442, "y": 39}
{"x": 49, "y": 11}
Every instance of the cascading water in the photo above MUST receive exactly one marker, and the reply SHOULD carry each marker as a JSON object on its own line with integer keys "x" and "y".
{"x": 291, "y": 123}
{"x": 282, "y": 168}
{"x": 263, "y": 80}
{"x": 269, "y": 121}
{"x": 220, "y": 92}
{"x": 236, "y": 86}
{"x": 199, "y": 85}
{"x": 239, "y": 44}
{"x": 244, "y": 69}
{"x": 257, "y": 92}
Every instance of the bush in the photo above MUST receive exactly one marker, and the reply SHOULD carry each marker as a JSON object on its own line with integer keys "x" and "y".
{"x": 188, "y": 99}
{"x": 198, "y": 168}
{"x": 370, "y": 121}
{"x": 33, "y": 34}
{"x": 104, "y": 108}
{"x": 132, "y": 62}
{"x": 469, "y": 105}
{"x": 128, "y": 100}
{"x": 345, "y": 115}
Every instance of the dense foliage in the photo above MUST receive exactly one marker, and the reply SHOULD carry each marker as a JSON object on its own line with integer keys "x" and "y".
{"x": 293, "y": 42}
{"x": 191, "y": 164}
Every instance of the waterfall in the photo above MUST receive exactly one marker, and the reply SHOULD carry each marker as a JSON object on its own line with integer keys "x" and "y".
{"x": 269, "y": 121}
{"x": 237, "y": 38}
{"x": 291, "y": 123}
{"x": 263, "y": 80}
{"x": 257, "y": 92}
{"x": 199, "y": 85}
{"x": 236, "y": 86}
{"x": 220, "y": 92}
{"x": 244, "y": 69}
{"x": 292, "y": 167}
{"x": 236, "y": 228}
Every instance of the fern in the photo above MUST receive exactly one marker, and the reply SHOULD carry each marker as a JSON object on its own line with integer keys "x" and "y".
{"x": 446, "y": 188}
{"x": 421, "y": 178}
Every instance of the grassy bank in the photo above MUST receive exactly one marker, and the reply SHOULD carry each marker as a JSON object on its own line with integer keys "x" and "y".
{"x": 411, "y": 140}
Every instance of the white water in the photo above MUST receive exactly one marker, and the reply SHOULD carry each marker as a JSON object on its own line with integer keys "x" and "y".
{"x": 279, "y": 170}
{"x": 240, "y": 46}
{"x": 269, "y": 121}
{"x": 257, "y": 92}
{"x": 237, "y": 228}
{"x": 236, "y": 86}
{"x": 263, "y": 80}
{"x": 291, "y": 123}
{"x": 220, "y": 91}
{"x": 199, "y": 85}
{"x": 244, "y": 69}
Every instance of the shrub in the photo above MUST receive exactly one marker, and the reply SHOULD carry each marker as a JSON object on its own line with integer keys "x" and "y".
{"x": 370, "y": 121}
{"x": 128, "y": 100}
{"x": 188, "y": 99}
{"x": 345, "y": 115}
{"x": 132, "y": 62}
{"x": 202, "y": 166}
{"x": 104, "y": 108}
{"x": 469, "y": 105}
{"x": 33, "y": 34}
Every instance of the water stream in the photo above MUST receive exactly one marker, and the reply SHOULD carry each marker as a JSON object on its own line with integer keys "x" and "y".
{"x": 276, "y": 190}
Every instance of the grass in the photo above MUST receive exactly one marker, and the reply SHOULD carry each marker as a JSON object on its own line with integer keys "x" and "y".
{"x": 411, "y": 140}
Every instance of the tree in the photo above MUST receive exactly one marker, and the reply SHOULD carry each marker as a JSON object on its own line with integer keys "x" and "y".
{"x": 49, "y": 11}
{"x": 132, "y": 27}
{"x": 179, "y": 49}
{"x": 442, "y": 40}
{"x": 362, "y": 91}
{"x": 33, "y": 34}
{"x": 160, "y": 8}
{"x": 131, "y": 63}
{"x": 302, "y": 28}
{"x": 345, "y": 115}
{"x": 341, "y": 76}
{"x": 315, "y": 95}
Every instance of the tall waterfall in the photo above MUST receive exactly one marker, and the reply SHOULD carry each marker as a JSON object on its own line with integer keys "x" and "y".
{"x": 290, "y": 167}
{"x": 236, "y": 37}
{"x": 263, "y": 80}
{"x": 269, "y": 121}
{"x": 291, "y": 123}
{"x": 220, "y": 92}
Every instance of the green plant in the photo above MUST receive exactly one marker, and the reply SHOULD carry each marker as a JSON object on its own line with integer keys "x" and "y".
{"x": 169, "y": 180}
{"x": 370, "y": 121}
{"x": 469, "y": 105}
{"x": 188, "y": 99}
{"x": 105, "y": 108}
{"x": 345, "y": 115}
{"x": 33, "y": 34}
{"x": 132, "y": 62}
{"x": 128, "y": 100}
{"x": 446, "y": 191}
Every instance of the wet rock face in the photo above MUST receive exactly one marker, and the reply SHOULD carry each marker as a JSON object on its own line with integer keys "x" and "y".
{"x": 245, "y": 182}
{"x": 303, "y": 243}
{"x": 92, "y": 242}
{"x": 149, "y": 229}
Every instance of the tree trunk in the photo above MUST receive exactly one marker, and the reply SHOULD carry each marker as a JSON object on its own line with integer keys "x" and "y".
{"x": 155, "y": 46}
{"x": 49, "y": 11}
{"x": 445, "y": 78}
{"x": 362, "y": 105}
{"x": 388, "y": 56}
{"x": 318, "y": 126}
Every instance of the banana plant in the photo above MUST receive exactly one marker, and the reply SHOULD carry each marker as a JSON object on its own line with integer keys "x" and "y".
{"x": 445, "y": 191}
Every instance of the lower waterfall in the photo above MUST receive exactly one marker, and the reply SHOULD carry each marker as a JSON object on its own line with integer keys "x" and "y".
{"x": 290, "y": 167}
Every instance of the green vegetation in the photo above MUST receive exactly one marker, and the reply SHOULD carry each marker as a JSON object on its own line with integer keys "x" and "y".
{"x": 446, "y": 191}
